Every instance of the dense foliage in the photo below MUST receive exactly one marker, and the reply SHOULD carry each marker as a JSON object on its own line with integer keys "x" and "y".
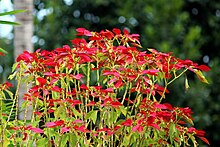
{"x": 101, "y": 91}
{"x": 187, "y": 28}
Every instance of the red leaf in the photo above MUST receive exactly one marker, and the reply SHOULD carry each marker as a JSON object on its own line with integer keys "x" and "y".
{"x": 82, "y": 129}
{"x": 126, "y": 32}
{"x": 160, "y": 106}
{"x": 2, "y": 54}
{"x": 25, "y": 136}
{"x": 78, "y": 121}
{"x": 128, "y": 122}
{"x": 54, "y": 124}
{"x": 155, "y": 126}
{"x": 92, "y": 103}
{"x": 37, "y": 130}
{"x": 205, "y": 140}
{"x": 118, "y": 84}
{"x": 64, "y": 130}
{"x": 56, "y": 89}
{"x": 83, "y": 31}
{"x": 152, "y": 72}
{"x": 203, "y": 68}
{"x": 107, "y": 90}
{"x": 8, "y": 84}
{"x": 138, "y": 128}
{"x": 84, "y": 58}
{"x": 42, "y": 81}
{"x": 107, "y": 72}
{"x": 116, "y": 31}
{"x": 38, "y": 113}
{"x": 78, "y": 76}
{"x": 83, "y": 86}
{"x": 76, "y": 102}
{"x": 115, "y": 104}
{"x": 26, "y": 56}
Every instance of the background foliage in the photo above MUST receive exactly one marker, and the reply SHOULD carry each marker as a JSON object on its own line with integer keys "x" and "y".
{"x": 188, "y": 28}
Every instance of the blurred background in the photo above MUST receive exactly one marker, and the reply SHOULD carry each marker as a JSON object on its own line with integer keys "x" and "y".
{"x": 188, "y": 28}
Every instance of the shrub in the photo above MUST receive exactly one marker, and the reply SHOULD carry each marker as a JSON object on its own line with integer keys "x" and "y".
{"x": 102, "y": 91}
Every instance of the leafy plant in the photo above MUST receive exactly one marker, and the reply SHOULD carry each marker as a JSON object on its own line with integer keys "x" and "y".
{"x": 102, "y": 91}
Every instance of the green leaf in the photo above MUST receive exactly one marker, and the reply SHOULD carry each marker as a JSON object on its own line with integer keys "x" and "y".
{"x": 172, "y": 132}
{"x": 9, "y": 93}
{"x": 64, "y": 140}
{"x": 186, "y": 84}
{"x": 9, "y": 22}
{"x": 12, "y": 12}
{"x": 10, "y": 77}
{"x": 113, "y": 117}
{"x": 73, "y": 139}
{"x": 92, "y": 115}
{"x": 123, "y": 110}
{"x": 14, "y": 66}
{"x": 3, "y": 51}
{"x": 195, "y": 144}
{"x": 200, "y": 76}
{"x": 42, "y": 142}
{"x": 60, "y": 112}
{"x": 76, "y": 113}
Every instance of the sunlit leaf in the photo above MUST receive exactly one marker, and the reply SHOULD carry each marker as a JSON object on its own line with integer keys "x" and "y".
{"x": 205, "y": 140}
{"x": 200, "y": 76}
{"x": 12, "y": 12}
{"x": 3, "y": 51}
{"x": 186, "y": 84}
{"x": 9, "y": 22}
{"x": 92, "y": 115}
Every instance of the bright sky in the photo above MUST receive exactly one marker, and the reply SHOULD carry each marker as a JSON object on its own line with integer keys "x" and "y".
{"x": 5, "y": 30}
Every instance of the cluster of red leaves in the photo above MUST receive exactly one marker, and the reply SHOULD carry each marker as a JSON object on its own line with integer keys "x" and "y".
{"x": 121, "y": 66}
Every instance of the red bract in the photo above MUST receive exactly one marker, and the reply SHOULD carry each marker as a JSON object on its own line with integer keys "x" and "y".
{"x": 138, "y": 128}
{"x": 54, "y": 124}
{"x": 2, "y": 54}
{"x": 26, "y": 57}
{"x": 128, "y": 122}
{"x": 36, "y": 130}
{"x": 203, "y": 68}
{"x": 83, "y": 31}
{"x": 116, "y": 31}
{"x": 78, "y": 76}
{"x": 41, "y": 81}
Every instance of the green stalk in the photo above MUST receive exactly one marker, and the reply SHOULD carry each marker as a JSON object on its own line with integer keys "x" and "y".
{"x": 168, "y": 83}
{"x": 1, "y": 123}
{"x": 97, "y": 74}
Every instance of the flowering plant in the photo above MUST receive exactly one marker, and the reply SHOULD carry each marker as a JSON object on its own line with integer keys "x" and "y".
{"x": 102, "y": 91}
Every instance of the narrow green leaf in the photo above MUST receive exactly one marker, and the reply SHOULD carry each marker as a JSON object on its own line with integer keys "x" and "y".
{"x": 186, "y": 84}
{"x": 6, "y": 141}
{"x": 172, "y": 132}
{"x": 12, "y": 12}
{"x": 73, "y": 139}
{"x": 10, "y": 77}
{"x": 3, "y": 51}
{"x": 14, "y": 66}
{"x": 9, "y": 22}
{"x": 64, "y": 140}
{"x": 9, "y": 93}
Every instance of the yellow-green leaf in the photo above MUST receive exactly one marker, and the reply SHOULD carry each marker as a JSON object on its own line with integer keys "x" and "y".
{"x": 186, "y": 84}
{"x": 200, "y": 76}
